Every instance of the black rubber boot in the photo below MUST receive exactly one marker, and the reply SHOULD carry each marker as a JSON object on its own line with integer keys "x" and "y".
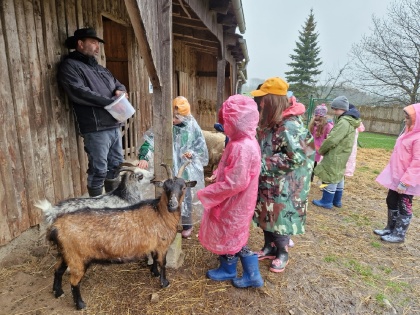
{"x": 269, "y": 249}
{"x": 96, "y": 191}
{"x": 282, "y": 256}
{"x": 398, "y": 233}
{"x": 281, "y": 260}
{"x": 392, "y": 215}
{"x": 111, "y": 184}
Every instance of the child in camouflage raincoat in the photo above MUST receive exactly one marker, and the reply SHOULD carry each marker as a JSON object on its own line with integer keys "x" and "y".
{"x": 287, "y": 160}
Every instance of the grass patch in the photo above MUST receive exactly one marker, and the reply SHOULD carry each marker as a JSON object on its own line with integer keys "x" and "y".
{"x": 380, "y": 298}
{"x": 359, "y": 220}
{"x": 376, "y": 141}
{"x": 330, "y": 258}
{"x": 376, "y": 244}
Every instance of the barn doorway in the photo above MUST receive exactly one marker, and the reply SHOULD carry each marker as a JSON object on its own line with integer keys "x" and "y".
{"x": 117, "y": 39}
{"x": 116, "y": 50}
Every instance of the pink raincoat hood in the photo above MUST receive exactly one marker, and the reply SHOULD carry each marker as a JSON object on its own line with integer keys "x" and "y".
{"x": 404, "y": 164}
{"x": 229, "y": 203}
{"x": 295, "y": 109}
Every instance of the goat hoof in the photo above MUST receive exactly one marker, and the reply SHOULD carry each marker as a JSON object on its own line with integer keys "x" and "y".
{"x": 58, "y": 293}
{"x": 165, "y": 283}
{"x": 80, "y": 305}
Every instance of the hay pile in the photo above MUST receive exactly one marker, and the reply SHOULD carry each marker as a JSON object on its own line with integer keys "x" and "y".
{"x": 338, "y": 267}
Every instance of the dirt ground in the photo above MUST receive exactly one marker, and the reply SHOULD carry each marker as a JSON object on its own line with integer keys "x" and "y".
{"x": 338, "y": 267}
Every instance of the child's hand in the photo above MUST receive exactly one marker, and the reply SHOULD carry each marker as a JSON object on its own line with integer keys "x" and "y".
{"x": 210, "y": 179}
{"x": 143, "y": 164}
{"x": 401, "y": 188}
{"x": 188, "y": 155}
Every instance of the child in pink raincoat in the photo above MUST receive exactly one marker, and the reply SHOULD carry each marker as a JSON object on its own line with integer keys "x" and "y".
{"x": 401, "y": 177}
{"x": 229, "y": 202}
{"x": 320, "y": 126}
{"x": 351, "y": 163}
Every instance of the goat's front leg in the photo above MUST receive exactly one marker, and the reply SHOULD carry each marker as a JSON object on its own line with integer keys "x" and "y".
{"x": 60, "y": 268}
{"x": 162, "y": 262}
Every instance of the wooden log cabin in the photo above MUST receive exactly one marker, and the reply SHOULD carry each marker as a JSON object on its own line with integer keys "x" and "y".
{"x": 158, "y": 48}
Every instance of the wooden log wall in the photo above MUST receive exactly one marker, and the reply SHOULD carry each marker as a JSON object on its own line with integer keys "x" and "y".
{"x": 381, "y": 119}
{"x": 41, "y": 155}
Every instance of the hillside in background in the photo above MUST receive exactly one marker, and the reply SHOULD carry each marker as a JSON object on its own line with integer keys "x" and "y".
{"x": 355, "y": 96}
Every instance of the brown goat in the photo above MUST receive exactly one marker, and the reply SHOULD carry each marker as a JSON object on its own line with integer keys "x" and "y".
{"x": 118, "y": 235}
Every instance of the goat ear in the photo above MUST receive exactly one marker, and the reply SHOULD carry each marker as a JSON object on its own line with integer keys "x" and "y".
{"x": 157, "y": 183}
{"x": 191, "y": 183}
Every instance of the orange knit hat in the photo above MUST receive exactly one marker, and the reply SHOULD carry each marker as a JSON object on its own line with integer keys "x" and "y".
{"x": 181, "y": 104}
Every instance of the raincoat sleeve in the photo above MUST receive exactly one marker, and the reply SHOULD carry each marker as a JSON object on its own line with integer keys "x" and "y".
{"x": 236, "y": 178}
{"x": 198, "y": 148}
{"x": 288, "y": 153}
{"x": 340, "y": 131}
{"x": 147, "y": 148}
{"x": 411, "y": 175}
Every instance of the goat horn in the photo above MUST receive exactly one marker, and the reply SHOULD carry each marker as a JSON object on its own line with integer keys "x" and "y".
{"x": 127, "y": 164}
{"x": 181, "y": 170}
{"x": 127, "y": 169}
{"x": 168, "y": 170}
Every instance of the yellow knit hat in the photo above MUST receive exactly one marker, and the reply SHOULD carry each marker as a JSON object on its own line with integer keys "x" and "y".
{"x": 181, "y": 104}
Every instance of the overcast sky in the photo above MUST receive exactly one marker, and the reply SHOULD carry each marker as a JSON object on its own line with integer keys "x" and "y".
{"x": 272, "y": 29}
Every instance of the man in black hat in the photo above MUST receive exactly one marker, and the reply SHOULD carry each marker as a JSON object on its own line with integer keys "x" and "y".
{"x": 90, "y": 87}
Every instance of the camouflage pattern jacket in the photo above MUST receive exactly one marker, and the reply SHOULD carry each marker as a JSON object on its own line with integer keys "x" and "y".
{"x": 287, "y": 160}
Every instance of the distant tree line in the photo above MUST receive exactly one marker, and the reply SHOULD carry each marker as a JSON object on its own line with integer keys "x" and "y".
{"x": 384, "y": 67}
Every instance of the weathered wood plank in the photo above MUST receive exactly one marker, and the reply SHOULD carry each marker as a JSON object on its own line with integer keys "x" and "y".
{"x": 143, "y": 40}
{"x": 20, "y": 145}
{"x": 162, "y": 113}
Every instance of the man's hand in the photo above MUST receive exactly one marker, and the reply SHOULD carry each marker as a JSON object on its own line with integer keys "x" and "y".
{"x": 118, "y": 93}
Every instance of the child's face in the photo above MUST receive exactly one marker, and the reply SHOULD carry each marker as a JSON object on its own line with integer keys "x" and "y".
{"x": 175, "y": 119}
{"x": 317, "y": 119}
{"x": 408, "y": 120}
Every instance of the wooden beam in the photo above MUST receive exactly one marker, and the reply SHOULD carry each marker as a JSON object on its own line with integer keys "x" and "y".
{"x": 228, "y": 19}
{"x": 162, "y": 96}
{"x": 194, "y": 33}
{"x": 187, "y": 22}
{"x": 199, "y": 8}
{"x": 221, "y": 75}
{"x": 197, "y": 42}
{"x": 144, "y": 46}
{"x": 219, "y": 6}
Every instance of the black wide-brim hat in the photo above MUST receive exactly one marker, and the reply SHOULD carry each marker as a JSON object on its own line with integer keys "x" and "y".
{"x": 82, "y": 33}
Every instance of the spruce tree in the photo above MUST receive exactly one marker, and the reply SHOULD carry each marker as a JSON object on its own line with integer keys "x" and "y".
{"x": 305, "y": 62}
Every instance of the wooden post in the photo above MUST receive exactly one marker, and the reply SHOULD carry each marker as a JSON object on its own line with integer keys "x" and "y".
{"x": 162, "y": 109}
{"x": 221, "y": 69}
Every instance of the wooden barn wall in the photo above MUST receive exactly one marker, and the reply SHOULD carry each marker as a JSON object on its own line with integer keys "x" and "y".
{"x": 206, "y": 89}
{"x": 41, "y": 155}
{"x": 381, "y": 119}
{"x": 185, "y": 64}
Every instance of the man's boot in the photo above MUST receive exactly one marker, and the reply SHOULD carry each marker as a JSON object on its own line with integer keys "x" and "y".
{"x": 111, "y": 184}
{"x": 251, "y": 276}
{"x": 398, "y": 233}
{"x": 392, "y": 215}
{"x": 95, "y": 191}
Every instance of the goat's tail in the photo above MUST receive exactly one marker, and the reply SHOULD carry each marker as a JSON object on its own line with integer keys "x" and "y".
{"x": 47, "y": 209}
